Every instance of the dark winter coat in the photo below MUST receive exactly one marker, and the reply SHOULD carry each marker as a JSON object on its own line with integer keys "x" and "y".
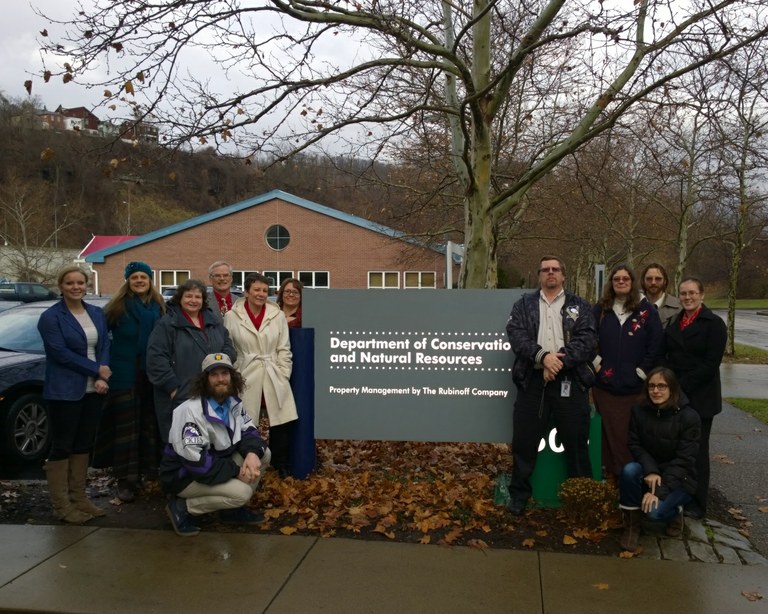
{"x": 579, "y": 333}
{"x": 666, "y": 441}
{"x": 624, "y": 349}
{"x": 175, "y": 355}
{"x": 695, "y": 355}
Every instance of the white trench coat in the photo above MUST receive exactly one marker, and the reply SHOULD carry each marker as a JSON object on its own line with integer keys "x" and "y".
{"x": 264, "y": 359}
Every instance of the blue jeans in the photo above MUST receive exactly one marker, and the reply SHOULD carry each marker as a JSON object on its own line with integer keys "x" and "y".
{"x": 631, "y": 490}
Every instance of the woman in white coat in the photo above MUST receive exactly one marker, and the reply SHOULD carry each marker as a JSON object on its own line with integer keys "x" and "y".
{"x": 259, "y": 332}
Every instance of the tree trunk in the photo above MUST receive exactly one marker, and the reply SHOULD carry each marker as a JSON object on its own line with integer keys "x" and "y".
{"x": 479, "y": 269}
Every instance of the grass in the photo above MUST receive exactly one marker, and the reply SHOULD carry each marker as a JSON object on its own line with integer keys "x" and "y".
{"x": 745, "y": 303}
{"x": 747, "y": 355}
{"x": 756, "y": 407}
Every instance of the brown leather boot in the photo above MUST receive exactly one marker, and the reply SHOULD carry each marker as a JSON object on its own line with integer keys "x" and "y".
{"x": 675, "y": 526}
{"x": 58, "y": 489}
{"x": 630, "y": 539}
{"x": 78, "y": 477}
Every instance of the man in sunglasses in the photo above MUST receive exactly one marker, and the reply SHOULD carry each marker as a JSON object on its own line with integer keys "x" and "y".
{"x": 655, "y": 281}
{"x": 554, "y": 337}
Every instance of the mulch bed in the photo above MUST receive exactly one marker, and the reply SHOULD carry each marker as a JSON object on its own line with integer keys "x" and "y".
{"x": 389, "y": 491}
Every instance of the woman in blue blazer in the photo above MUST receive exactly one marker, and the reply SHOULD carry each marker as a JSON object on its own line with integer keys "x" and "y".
{"x": 77, "y": 370}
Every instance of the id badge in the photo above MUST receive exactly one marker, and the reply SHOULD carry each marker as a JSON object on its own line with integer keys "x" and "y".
{"x": 565, "y": 388}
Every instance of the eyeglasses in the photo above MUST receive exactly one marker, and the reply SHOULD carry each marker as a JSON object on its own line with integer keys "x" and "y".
{"x": 622, "y": 279}
{"x": 658, "y": 386}
{"x": 686, "y": 294}
{"x": 224, "y": 276}
{"x": 550, "y": 269}
{"x": 648, "y": 278}
{"x": 291, "y": 292}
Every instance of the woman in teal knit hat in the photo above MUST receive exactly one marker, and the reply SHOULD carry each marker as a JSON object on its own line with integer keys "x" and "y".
{"x": 128, "y": 440}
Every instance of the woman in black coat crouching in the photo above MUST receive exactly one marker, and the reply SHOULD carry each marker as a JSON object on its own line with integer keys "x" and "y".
{"x": 664, "y": 435}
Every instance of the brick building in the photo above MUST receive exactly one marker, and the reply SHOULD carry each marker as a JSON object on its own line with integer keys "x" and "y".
{"x": 281, "y": 236}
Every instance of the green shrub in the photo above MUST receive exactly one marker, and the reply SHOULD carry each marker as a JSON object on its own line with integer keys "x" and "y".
{"x": 587, "y": 503}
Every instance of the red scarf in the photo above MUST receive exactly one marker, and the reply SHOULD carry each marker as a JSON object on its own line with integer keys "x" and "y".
{"x": 199, "y": 325}
{"x": 256, "y": 319}
{"x": 224, "y": 302}
{"x": 686, "y": 320}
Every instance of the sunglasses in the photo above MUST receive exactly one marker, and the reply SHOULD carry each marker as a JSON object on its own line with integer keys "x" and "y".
{"x": 550, "y": 269}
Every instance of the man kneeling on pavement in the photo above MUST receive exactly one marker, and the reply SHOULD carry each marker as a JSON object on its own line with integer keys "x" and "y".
{"x": 215, "y": 455}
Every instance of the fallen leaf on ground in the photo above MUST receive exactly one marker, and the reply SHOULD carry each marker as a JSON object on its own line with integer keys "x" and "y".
{"x": 288, "y": 530}
{"x": 737, "y": 513}
{"x": 764, "y": 510}
{"x": 569, "y": 541}
{"x": 752, "y": 596}
{"x": 626, "y": 554}
{"x": 602, "y": 586}
{"x": 529, "y": 543}
{"x": 478, "y": 544}
{"x": 722, "y": 458}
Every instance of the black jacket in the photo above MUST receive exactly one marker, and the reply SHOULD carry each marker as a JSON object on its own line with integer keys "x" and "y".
{"x": 666, "y": 441}
{"x": 695, "y": 355}
{"x": 579, "y": 331}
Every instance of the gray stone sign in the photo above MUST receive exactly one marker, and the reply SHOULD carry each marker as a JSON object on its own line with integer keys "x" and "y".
{"x": 412, "y": 365}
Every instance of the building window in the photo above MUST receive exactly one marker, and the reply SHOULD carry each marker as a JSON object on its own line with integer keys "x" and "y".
{"x": 171, "y": 279}
{"x": 278, "y": 237}
{"x": 238, "y": 278}
{"x": 383, "y": 279}
{"x": 276, "y": 278}
{"x": 419, "y": 279}
{"x": 314, "y": 279}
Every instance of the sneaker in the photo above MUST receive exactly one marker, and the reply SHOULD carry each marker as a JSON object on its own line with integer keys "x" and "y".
{"x": 240, "y": 515}
{"x": 181, "y": 518}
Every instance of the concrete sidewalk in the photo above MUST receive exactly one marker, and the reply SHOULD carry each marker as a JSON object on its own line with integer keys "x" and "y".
{"x": 79, "y": 569}
{"x": 89, "y": 569}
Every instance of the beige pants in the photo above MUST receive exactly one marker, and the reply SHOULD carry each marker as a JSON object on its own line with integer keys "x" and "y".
{"x": 204, "y": 498}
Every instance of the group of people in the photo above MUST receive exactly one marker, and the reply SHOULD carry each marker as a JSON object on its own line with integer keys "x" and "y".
{"x": 176, "y": 391}
{"x": 172, "y": 392}
{"x": 651, "y": 362}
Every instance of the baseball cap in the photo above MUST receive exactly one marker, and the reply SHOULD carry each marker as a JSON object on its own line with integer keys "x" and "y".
{"x": 216, "y": 360}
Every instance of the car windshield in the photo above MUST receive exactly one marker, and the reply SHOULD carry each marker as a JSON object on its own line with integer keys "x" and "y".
{"x": 18, "y": 330}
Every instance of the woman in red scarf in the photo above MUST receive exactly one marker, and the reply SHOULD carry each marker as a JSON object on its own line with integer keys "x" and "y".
{"x": 693, "y": 347}
{"x": 259, "y": 332}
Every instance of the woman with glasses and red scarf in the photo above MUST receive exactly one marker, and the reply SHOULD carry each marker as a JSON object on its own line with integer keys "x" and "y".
{"x": 693, "y": 347}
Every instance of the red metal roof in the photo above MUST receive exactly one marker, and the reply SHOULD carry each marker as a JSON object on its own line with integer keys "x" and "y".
{"x": 101, "y": 242}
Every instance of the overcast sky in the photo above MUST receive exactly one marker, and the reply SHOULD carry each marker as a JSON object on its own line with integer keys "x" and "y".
{"x": 19, "y": 50}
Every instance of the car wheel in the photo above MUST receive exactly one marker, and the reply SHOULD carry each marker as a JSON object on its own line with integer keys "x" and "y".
{"x": 27, "y": 429}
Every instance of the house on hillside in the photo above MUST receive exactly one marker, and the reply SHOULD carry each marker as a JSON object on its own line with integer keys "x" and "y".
{"x": 79, "y": 118}
{"x": 279, "y": 235}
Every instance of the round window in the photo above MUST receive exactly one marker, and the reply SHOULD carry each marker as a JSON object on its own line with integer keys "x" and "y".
{"x": 278, "y": 237}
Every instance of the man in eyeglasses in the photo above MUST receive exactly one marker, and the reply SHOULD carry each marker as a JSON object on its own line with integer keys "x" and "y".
{"x": 655, "y": 281}
{"x": 554, "y": 336}
{"x": 220, "y": 296}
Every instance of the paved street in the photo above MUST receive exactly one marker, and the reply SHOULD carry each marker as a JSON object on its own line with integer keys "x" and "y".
{"x": 751, "y": 328}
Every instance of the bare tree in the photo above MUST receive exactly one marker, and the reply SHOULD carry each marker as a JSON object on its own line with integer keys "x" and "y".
{"x": 371, "y": 72}
{"x": 743, "y": 155}
{"x": 26, "y": 233}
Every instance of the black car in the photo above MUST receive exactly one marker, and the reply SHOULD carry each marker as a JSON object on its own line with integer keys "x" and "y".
{"x": 25, "y": 292}
{"x": 24, "y": 427}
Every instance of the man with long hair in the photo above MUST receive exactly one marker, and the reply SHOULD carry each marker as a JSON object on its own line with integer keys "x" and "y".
{"x": 215, "y": 456}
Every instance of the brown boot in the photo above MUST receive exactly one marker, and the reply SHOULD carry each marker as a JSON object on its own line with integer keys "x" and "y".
{"x": 58, "y": 489}
{"x": 78, "y": 476}
{"x": 675, "y": 526}
{"x": 630, "y": 539}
